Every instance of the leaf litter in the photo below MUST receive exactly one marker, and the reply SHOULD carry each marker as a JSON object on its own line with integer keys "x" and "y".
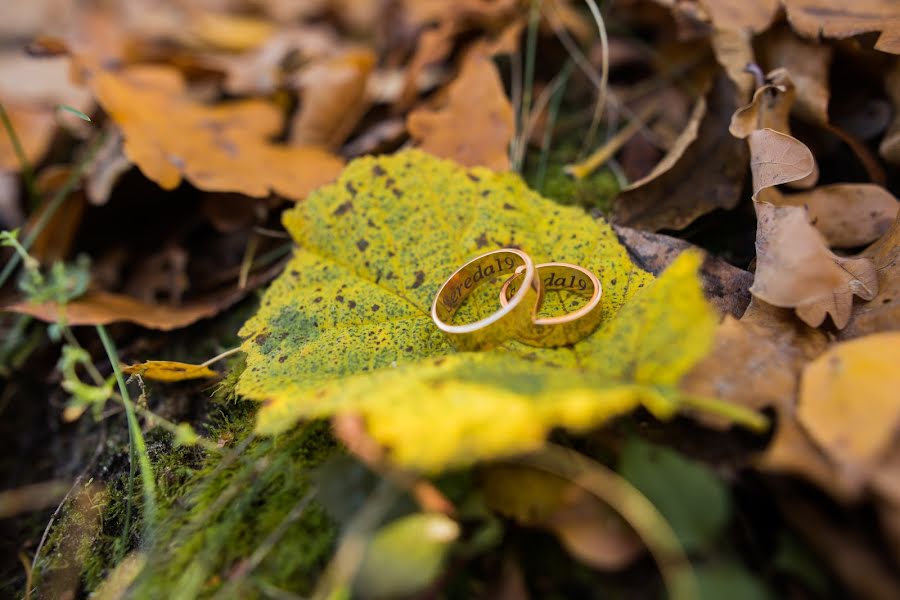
{"x": 738, "y": 203}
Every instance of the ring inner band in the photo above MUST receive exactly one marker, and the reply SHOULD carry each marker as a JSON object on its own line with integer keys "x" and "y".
{"x": 560, "y": 277}
{"x": 489, "y": 267}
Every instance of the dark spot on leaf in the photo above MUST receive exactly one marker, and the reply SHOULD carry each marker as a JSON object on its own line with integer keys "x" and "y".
{"x": 362, "y": 245}
{"x": 420, "y": 279}
{"x": 261, "y": 338}
{"x": 317, "y": 299}
{"x": 351, "y": 304}
{"x": 613, "y": 281}
{"x": 473, "y": 177}
{"x": 371, "y": 223}
{"x": 481, "y": 241}
{"x": 282, "y": 358}
{"x": 339, "y": 298}
{"x": 350, "y": 188}
{"x": 343, "y": 208}
{"x": 408, "y": 349}
{"x": 375, "y": 308}
{"x": 377, "y": 171}
{"x": 508, "y": 206}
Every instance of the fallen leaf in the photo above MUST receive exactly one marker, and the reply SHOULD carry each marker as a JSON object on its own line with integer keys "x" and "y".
{"x": 725, "y": 286}
{"x": 217, "y": 148}
{"x": 808, "y": 65}
{"x": 704, "y": 156}
{"x": 108, "y": 166}
{"x": 333, "y": 99}
{"x": 356, "y": 298}
{"x": 777, "y": 158}
{"x": 882, "y": 313}
{"x": 849, "y": 402}
{"x": 589, "y": 529}
{"x": 54, "y": 242}
{"x": 693, "y": 501}
{"x": 477, "y": 98}
{"x": 737, "y": 15}
{"x": 734, "y": 51}
{"x": 890, "y": 144}
{"x": 825, "y": 18}
{"x": 848, "y": 215}
{"x": 169, "y": 371}
{"x": 795, "y": 269}
{"x": 235, "y": 33}
{"x": 103, "y": 308}
{"x": 405, "y": 555}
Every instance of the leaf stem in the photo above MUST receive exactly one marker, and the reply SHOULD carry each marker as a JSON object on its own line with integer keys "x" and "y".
{"x": 136, "y": 439}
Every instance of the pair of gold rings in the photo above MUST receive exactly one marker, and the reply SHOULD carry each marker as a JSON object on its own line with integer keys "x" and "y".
{"x": 521, "y": 296}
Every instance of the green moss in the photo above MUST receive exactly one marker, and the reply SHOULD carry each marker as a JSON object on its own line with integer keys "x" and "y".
{"x": 595, "y": 192}
{"x": 232, "y": 506}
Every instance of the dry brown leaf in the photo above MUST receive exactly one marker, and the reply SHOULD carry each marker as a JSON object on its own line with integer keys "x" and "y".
{"x": 777, "y": 158}
{"x": 232, "y": 32}
{"x": 795, "y": 269}
{"x": 109, "y": 164}
{"x": 55, "y": 240}
{"x": 849, "y": 402}
{"x": 883, "y": 312}
{"x": 890, "y": 144}
{"x": 808, "y": 65}
{"x": 169, "y": 371}
{"x": 217, "y": 148}
{"x": 734, "y": 51}
{"x": 588, "y": 528}
{"x": 704, "y": 157}
{"x": 474, "y": 125}
{"x": 833, "y": 19}
{"x": 724, "y": 285}
{"x": 333, "y": 99}
{"x": 847, "y": 214}
{"x": 740, "y": 15}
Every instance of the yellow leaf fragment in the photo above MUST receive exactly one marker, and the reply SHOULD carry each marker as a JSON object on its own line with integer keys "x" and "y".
{"x": 849, "y": 401}
{"x": 169, "y": 371}
{"x": 346, "y": 328}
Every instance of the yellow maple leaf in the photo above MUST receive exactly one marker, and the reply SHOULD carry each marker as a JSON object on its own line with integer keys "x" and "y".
{"x": 346, "y": 328}
{"x": 223, "y": 148}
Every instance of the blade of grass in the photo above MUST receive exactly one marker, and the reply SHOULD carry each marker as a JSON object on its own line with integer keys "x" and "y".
{"x": 137, "y": 443}
{"x": 27, "y": 173}
{"x": 602, "y": 91}
{"x": 53, "y": 205}
{"x": 528, "y": 86}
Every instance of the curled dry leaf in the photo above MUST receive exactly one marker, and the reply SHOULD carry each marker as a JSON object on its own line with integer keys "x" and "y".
{"x": 777, "y": 158}
{"x": 795, "y": 269}
{"x": 883, "y": 312}
{"x": 808, "y": 65}
{"x": 849, "y": 402}
{"x": 848, "y": 214}
{"x": 734, "y": 51}
{"x": 589, "y": 529}
{"x": 333, "y": 99}
{"x": 169, "y": 371}
{"x": 827, "y": 18}
{"x": 217, "y": 148}
{"x": 704, "y": 157}
{"x": 474, "y": 125}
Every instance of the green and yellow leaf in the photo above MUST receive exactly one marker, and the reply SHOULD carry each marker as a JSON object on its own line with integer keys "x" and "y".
{"x": 346, "y": 328}
{"x": 169, "y": 371}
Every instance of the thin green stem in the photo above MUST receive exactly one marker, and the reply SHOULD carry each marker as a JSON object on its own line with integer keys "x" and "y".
{"x": 552, "y": 114}
{"x": 136, "y": 439}
{"x": 527, "y": 89}
{"x": 27, "y": 172}
{"x": 53, "y": 205}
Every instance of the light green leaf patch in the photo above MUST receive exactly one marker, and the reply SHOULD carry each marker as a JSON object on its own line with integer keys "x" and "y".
{"x": 346, "y": 328}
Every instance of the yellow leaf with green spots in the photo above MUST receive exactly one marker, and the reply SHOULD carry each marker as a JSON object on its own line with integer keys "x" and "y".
{"x": 347, "y": 328}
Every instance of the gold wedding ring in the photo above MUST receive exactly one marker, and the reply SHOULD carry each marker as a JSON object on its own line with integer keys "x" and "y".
{"x": 564, "y": 329}
{"x": 513, "y": 317}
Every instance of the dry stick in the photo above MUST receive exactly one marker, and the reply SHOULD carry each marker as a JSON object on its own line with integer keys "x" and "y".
{"x": 53, "y": 205}
{"x": 633, "y": 506}
{"x": 27, "y": 172}
{"x": 219, "y": 357}
{"x": 608, "y": 150}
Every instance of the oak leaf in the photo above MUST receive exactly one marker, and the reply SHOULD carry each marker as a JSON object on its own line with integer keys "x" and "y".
{"x": 346, "y": 329}
{"x": 777, "y": 158}
{"x": 826, "y": 18}
{"x": 224, "y": 147}
{"x": 795, "y": 269}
